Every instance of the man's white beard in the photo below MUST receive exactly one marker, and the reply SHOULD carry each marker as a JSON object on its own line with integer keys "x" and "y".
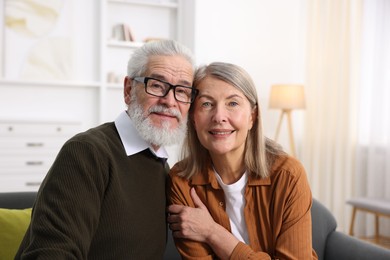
{"x": 157, "y": 135}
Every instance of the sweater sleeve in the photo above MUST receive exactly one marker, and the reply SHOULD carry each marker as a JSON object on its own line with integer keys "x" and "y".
{"x": 66, "y": 212}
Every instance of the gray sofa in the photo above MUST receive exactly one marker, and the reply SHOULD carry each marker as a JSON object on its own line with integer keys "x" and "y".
{"x": 334, "y": 245}
{"x": 328, "y": 243}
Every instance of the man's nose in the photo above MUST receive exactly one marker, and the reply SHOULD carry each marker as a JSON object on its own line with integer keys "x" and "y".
{"x": 169, "y": 98}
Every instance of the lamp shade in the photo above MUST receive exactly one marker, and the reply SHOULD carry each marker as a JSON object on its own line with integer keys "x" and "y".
{"x": 287, "y": 96}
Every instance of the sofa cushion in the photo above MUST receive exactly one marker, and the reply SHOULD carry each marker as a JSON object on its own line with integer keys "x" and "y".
{"x": 13, "y": 226}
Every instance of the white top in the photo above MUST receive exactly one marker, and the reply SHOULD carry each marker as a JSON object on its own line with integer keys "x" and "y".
{"x": 235, "y": 203}
{"x": 130, "y": 138}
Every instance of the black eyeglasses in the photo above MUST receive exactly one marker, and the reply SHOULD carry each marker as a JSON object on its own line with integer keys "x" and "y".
{"x": 158, "y": 88}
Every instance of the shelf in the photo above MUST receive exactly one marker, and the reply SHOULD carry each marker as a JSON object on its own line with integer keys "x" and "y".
{"x": 114, "y": 86}
{"x": 124, "y": 44}
{"x": 42, "y": 83}
{"x": 163, "y": 4}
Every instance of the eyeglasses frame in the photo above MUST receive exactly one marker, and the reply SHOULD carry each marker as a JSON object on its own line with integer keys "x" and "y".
{"x": 144, "y": 80}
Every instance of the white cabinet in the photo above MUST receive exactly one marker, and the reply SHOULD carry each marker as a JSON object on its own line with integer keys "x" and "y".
{"x": 28, "y": 149}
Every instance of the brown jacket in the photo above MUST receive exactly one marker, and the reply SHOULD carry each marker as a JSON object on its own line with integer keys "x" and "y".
{"x": 277, "y": 212}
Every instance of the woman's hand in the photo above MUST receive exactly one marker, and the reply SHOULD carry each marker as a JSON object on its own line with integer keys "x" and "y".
{"x": 191, "y": 223}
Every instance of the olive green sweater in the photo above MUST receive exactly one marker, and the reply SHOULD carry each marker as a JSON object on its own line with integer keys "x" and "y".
{"x": 98, "y": 203}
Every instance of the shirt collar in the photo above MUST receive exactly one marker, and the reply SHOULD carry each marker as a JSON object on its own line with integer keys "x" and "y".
{"x": 131, "y": 140}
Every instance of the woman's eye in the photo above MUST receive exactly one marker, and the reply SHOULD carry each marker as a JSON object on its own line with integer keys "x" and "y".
{"x": 233, "y": 103}
{"x": 206, "y": 104}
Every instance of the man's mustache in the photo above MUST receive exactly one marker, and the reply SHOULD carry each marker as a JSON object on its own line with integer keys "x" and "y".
{"x": 165, "y": 110}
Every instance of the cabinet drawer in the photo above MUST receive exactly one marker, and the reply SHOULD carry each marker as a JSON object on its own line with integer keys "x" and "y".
{"x": 26, "y": 163}
{"x": 20, "y": 183}
{"x": 30, "y": 145}
{"x": 31, "y": 128}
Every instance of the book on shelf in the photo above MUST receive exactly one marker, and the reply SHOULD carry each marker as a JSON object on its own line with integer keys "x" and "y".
{"x": 127, "y": 33}
{"x": 122, "y": 32}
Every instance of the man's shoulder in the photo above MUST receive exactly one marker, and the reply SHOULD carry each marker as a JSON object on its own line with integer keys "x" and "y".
{"x": 106, "y": 129}
{"x": 100, "y": 136}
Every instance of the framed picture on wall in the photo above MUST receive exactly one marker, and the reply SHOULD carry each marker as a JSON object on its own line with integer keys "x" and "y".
{"x": 36, "y": 40}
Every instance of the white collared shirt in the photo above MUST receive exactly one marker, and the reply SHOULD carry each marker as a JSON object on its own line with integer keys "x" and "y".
{"x": 131, "y": 140}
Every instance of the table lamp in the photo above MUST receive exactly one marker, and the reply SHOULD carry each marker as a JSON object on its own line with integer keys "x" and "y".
{"x": 287, "y": 97}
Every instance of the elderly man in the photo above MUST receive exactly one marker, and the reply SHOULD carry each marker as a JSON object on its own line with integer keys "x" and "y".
{"x": 104, "y": 196}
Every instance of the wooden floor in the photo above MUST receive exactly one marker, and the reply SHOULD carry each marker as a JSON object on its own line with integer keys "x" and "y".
{"x": 382, "y": 241}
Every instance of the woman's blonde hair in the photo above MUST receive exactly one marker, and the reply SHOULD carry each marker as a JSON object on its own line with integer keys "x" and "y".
{"x": 259, "y": 150}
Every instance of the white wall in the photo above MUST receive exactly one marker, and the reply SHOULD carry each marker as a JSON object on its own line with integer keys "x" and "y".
{"x": 267, "y": 38}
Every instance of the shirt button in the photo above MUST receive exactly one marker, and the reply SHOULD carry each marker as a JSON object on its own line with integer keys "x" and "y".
{"x": 221, "y": 204}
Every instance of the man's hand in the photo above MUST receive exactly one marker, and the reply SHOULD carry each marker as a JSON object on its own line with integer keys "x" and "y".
{"x": 198, "y": 225}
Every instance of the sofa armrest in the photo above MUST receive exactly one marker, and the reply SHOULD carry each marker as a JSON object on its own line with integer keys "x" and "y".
{"x": 342, "y": 246}
{"x": 17, "y": 200}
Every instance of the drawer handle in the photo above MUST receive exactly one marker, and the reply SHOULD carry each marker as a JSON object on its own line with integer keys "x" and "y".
{"x": 34, "y": 163}
{"x": 33, "y": 183}
{"x": 34, "y": 144}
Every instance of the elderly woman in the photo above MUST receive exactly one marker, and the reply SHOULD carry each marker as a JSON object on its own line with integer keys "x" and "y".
{"x": 236, "y": 194}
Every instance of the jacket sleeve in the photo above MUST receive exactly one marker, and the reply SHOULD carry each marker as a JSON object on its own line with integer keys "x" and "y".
{"x": 178, "y": 192}
{"x": 291, "y": 220}
{"x": 290, "y": 230}
{"x": 294, "y": 229}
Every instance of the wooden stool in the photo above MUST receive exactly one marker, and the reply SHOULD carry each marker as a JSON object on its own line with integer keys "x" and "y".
{"x": 378, "y": 207}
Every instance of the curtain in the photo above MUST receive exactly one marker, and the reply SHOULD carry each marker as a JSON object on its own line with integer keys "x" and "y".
{"x": 330, "y": 131}
{"x": 373, "y": 150}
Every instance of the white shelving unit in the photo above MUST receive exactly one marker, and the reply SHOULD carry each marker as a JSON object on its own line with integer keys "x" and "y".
{"x": 123, "y": 44}
{"x": 148, "y": 19}
{"x": 90, "y": 98}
